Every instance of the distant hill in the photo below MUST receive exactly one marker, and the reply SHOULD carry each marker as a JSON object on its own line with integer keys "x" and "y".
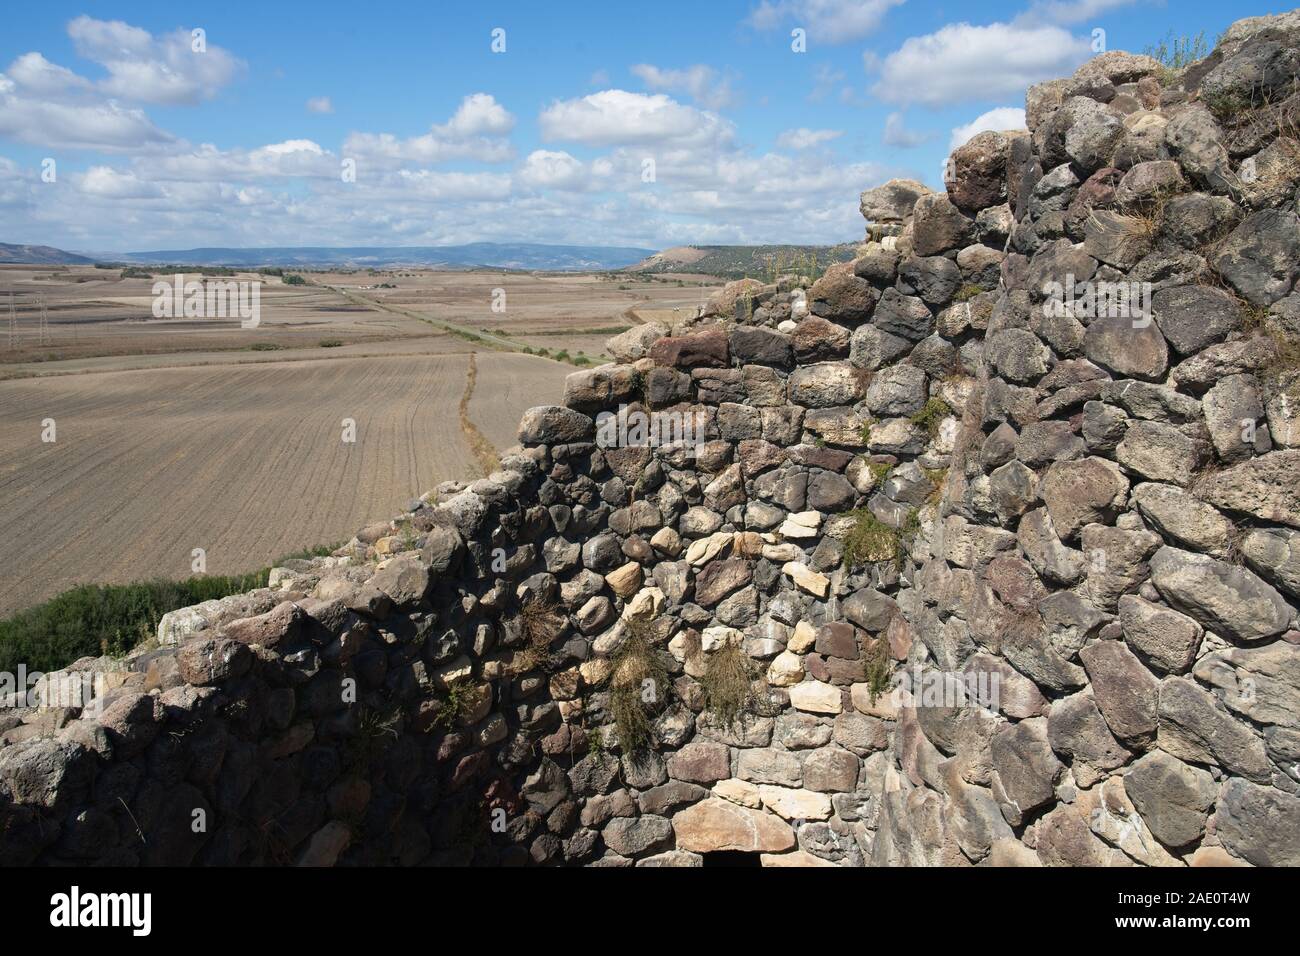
{"x": 494, "y": 255}
{"x": 40, "y": 255}
{"x": 739, "y": 262}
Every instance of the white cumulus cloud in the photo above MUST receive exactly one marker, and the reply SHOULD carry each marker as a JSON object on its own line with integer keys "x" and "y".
{"x": 827, "y": 21}
{"x": 38, "y": 76}
{"x": 477, "y": 130}
{"x": 148, "y": 69}
{"x": 620, "y": 118}
{"x": 1068, "y": 11}
{"x": 805, "y": 138}
{"x": 897, "y": 134}
{"x": 702, "y": 83}
{"x": 961, "y": 62}
{"x": 74, "y": 125}
{"x": 108, "y": 183}
{"x": 999, "y": 119}
{"x": 556, "y": 169}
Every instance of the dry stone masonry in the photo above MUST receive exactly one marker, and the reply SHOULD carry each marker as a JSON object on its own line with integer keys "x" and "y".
{"x": 981, "y": 549}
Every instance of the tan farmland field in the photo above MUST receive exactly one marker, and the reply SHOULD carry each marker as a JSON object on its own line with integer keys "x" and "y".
{"x": 176, "y": 434}
{"x": 94, "y": 313}
{"x": 246, "y": 462}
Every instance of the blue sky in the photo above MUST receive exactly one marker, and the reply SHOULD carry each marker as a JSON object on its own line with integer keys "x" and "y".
{"x": 244, "y": 142}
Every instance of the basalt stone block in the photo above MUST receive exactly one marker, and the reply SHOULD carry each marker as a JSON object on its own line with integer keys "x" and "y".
{"x": 1082, "y": 492}
{"x": 720, "y": 578}
{"x": 979, "y": 171}
{"x": 1025, "y": 770}
{"x": 1229, "y": 600}
{"x": 761, "y": 346}
{"x": 594, "y": 389}
{"x": 1264, "y": 487}
{"x": 554, "y": 424}
{"x": 635, "y": 342}
{"x": 1192, "y": 317}
{"x": 1167, "y": 639}
{"x": 1075, "y": 728}
{"x": 715, "y": 824}
{"x": 44, "y": 772}
{"x": 1173, "y": 797}
{"x": 1196, "y": 728}
{"x": 1124, "y": 689}
{"x": 703, "y": 762}
{"x": 939, "y": 226}
{"x": 1261, "y": 257}
{"x": 893, "y": 202}
{"x": 667, "y": 386}
{"x": 904, "y": 316}
{"x": 693, "y": 350}
{"x": 826, "y": 385}
{"x": 1259, "y": 824}
{"x": 404, "y": 579}
{"x": 1126, "y": 347}
{"x": 207, "y": 661}
{"x": 841, "y": 296}
{"x": 935, "y": 279}
{"x": 283, "y": 623}
{"x": 630, "y": 836}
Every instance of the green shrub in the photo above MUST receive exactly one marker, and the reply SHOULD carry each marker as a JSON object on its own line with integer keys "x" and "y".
{"x": 94, "y": 619}
{"x": 458, "y": 700}
{"x": 292, "y": 279}
{"x": 330, "y": 343}
{"x": 931, "y": 416}
{"x": 880, "y": 471}
{"x": 1177, "y": 52}
{"x": 870, "y": 540}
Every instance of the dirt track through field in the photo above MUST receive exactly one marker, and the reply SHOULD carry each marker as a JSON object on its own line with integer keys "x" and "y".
{"x": 246, "y": 461}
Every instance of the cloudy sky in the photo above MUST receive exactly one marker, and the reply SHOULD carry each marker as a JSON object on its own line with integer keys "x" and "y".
{"x": 615, "y": 123}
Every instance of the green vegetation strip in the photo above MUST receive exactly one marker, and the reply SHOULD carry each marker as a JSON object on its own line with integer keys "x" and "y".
{"x": 95, "y": 619}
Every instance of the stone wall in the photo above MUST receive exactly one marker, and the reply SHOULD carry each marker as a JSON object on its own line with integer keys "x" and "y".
{"x": 943, "y": 464}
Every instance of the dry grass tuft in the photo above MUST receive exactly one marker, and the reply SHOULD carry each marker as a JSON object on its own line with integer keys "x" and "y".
{"x": 1280, "y": 373}
{"x": 728, "y": 683}
{"x": 877, "y": 667}
{"x": 639, "y": 684}
{"x": 1135, "y": 230}
{"x": 540, "y": 622}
